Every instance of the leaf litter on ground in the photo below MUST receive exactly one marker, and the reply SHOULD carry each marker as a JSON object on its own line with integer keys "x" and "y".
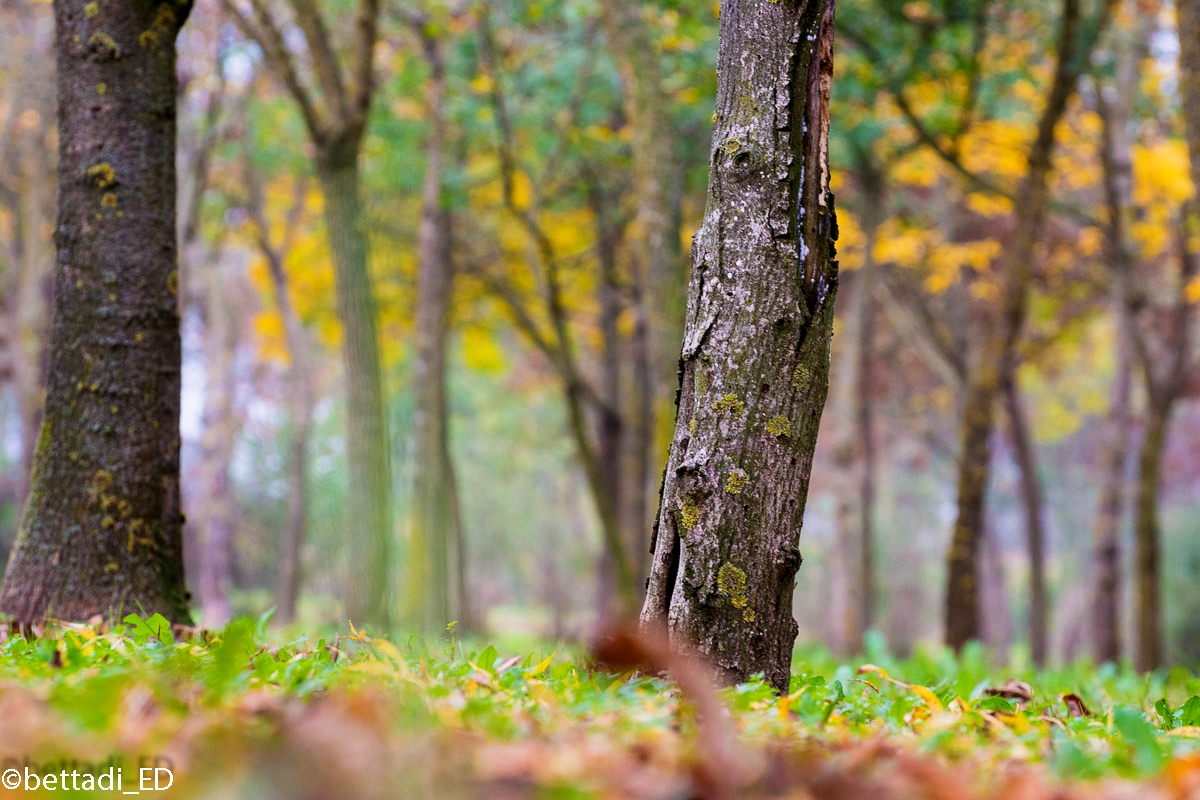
{"x": 236, "y": 714}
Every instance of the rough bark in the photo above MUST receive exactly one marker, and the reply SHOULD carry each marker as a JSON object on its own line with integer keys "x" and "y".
{"x": 1033, "y": 505}
{"x": 997, "y": 349}
{"x": 101, "y": 532}
{"x": 433, "y": 576}
{"x": 755, "y": 355}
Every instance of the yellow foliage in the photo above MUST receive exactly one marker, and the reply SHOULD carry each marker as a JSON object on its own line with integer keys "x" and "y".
{"x": 987, "y": 205}
{"x": 480, "y": 350}
{"x": 851, "y": 240}
{"x": 268, "y": 330}
{"x": 1161, "y": 184}
{"x": 1090, "y": 240}
{"x": 1192, "y": 290}
{"x": 919, "y": 169}
{"x": 998, "y": 147}
{"x": 903, "y": 245}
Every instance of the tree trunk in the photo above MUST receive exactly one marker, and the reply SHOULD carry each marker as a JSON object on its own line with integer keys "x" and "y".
{"x": 216, "y": 504}
{"x": 659, "y": 262}
{"x": 101, "y": 533}
{"x": 432, "y": 567}
{"x": 33, "y": 210}
{"x": 755, "y": 353}
{"x": 610, "y": 439}
{"x": 998, "y": 349}
{"x": 1149, "y": 652}
{"x": 855, "y": 453}
{"x": 1116, "y": 108}
{"x": 1106, "y": 530}
{"x": 369, "y": 532}
{"x": 1031, "y": 500}
{"x": 300, "y": 409}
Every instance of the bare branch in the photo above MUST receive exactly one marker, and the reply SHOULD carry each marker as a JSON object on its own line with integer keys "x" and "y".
{"x": 325, "y": 63}
{"x": 260, "y": 28}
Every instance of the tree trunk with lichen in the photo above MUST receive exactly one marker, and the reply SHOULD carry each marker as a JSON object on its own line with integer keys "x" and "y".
{"x": 755, "y": 357}
{"x": 101, "y": 532}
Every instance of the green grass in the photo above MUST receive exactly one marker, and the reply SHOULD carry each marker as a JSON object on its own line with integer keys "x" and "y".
{"x": 237, "y": 714}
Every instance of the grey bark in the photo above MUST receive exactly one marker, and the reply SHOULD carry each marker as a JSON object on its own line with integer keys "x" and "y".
{"x": 755, "y": 355}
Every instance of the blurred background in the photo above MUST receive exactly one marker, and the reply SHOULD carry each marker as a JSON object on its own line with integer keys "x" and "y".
{"x": 558, "y": 150}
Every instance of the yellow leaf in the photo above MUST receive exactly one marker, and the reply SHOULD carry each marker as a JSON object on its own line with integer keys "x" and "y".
{"x": 540, "y": 667}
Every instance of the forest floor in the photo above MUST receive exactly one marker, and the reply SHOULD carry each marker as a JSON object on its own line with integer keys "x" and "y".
{"x": 237, "y": 714}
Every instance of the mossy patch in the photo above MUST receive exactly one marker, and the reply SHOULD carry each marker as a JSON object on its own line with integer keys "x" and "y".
{"x": 731, "y": 582}
{"x": 148, "y": 39}
{"x": 730, "y": 403}
{"x": 801, "y": 377}
{"x": 109, "y": 200}
{"x": 103, "y": 42}
{"x": 102, "y": 174}
{"x": 736, "y": 481}
{"x": 164, "y": 17}
{"x": 779, "y": 426}
{"x": 689, "y": 513}
{"x": 91, "y": 9}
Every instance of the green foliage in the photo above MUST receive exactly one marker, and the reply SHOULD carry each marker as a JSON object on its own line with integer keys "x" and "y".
{"x": 236, "y": 694}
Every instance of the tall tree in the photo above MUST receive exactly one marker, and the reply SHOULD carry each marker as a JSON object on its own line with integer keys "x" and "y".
{"x": 1116, "y": 145}
{"x": 101, "y": 532}
{"x": 755, "y": 357}
{"x": 335, "y": 114}
{"x": 997, "y": 349}
{"x": 436, "y": 594}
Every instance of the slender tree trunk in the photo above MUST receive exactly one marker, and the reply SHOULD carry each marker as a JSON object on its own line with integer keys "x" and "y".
{"x": 998, "y": 348}
{"x": 300, "y": 410}
{"x": 369, "y": 533}
{"x": 611, "y": 439}
{"x": 1116, "y": 158}
{"x": 432, "y": 566}
{"x": 1033, "y": 504}
{"x": 659, "y": 259}
{"x": 101, "y": 533}
{"x": 755, "y": 352}
{"x": 216, "y": 506}
{"x": 295, "y": 522}
{"x": 34, "y": 207}
{"x": 856, "y": 450}
{"x": 1106, "y": 595}
{"x": 1149, "y": 653}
